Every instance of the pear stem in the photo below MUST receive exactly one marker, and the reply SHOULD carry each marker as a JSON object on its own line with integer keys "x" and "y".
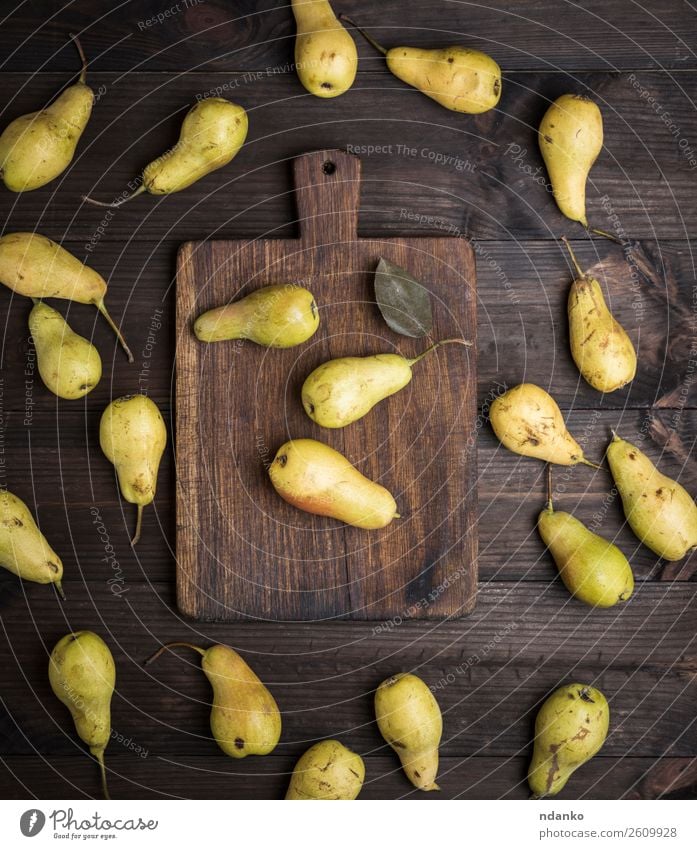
{"x": 365, "y": 35}
{"x": 579, "y": 271}
{"x": 588, "y": 463}
{"x": 433, "y": 347}
{"x": 115, "y": 203}
{"x": 59, "y": 589}
{"x": 36, "y": 301}
{"x": 103, "y": 310}
{"x": 173, "y": 646}
{"x": 549, "y": 487}
{"x": 83, "y": 58}
{"x": 139, "y": 525}
{"x": 605, "y": 235}
{"x": 99, "y": 755}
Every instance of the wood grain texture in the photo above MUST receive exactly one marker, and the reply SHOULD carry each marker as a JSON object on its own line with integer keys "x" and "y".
{"x": 131, "y": 776}
{"x": 243, "y": 552}
{"x": 252, "y": 35}
{"x": 424, "y": 168}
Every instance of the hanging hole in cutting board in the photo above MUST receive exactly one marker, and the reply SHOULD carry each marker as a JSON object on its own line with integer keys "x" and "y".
{"x": 329, "y": 167}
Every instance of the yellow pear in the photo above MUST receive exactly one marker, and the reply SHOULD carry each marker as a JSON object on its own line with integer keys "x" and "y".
{"x": 34, "y": 266}
{"x": 659, "y": 510}
{"x": 314, "y": 477}
{"x": 570, "y": 728}
{"x": 326, "y": 58}
{"x": 601, "y": 349}
{"x": 37, "y": 148}
{"x": 245, "y": 719}
{"x": 410, "y": 721}
{"x": 23, "y": 548}
{"x": 593, "y": 570}
{"x": 211, "y": 136}
{"x": 133, "y": 436}
{"x": 459, "y": 78}
{"x": 82, "y": 675}
{"x": 571, "y": 137}
{"x": 280, "y": 316}
{"x": 327, "y": 770}
{"x": 527, "y": 420}
{"x": 343, "y": 390}
{"x": 69, "y": 364}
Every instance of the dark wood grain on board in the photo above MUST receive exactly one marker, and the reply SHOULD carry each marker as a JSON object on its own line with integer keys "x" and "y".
{"x": 163, "y": 777}
{"x": 424, "y": 168}
{"x": 214, "y": 34}
{"x": 242, "y": 551}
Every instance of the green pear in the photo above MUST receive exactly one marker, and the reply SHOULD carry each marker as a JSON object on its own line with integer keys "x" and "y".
{"x": 34, "y": 266}
{"x": 326, "y": 58}
{"x": 343, "y": 390}
{"x": 37, "y": 148}
{"x": 133, "y": 436}
{"x": 23, "y": 548}
{"x": 279, "y": 316}
{"x": 245, "y": 719}
{"x": 593, "y": 570}
{"x": 327, "y": 770}
{"x": 82, "y": 675}
{"x": 571, "y": 137}
{"x": 527, "y": 420}
{"x": 314, "y": 477}
{"x": 570, "y": 729}
{"x": 211, "y": 136}
{"x": 410, "y": 720}
{"x": 659, "y": 510}
{"x": 459, "y": 78}
{"x": 69, "y": 364}
{"x": 600, "y": 346}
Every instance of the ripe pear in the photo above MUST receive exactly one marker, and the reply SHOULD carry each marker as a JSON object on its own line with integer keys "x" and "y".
{"x": 528, "y": 421}
{"x": 69, "y": 364}
{"x": 410, "y": 720}
{"x": 459, "y": 78}
{"x": 280, "y": 316}
{"x": 34, "y": 266}
{"x": 245, "y": 719}
{"x": 570, "y": 728}
{"x": 659, "y": 510}
{"x": 82, "y": 675}
{"x": 601, "y": 349}
{"x": 327, "y": 770}
{"x": 133, "y": 436}
{"x": 314, "y": 477}
{"x": 23, "y": 548}
{"x": 343, "y": 390}
{"x": 593, "y": 570}
{"x": 326, "y": 58}
{"x": 37, "y": 148}
{"x": 571, "y": 137}
{"x": 211, "y": 136}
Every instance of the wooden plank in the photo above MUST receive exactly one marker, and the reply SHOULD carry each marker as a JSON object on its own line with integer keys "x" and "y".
{"x": 430, "y": 169}
{"x": 489, "y": 673}
{"x": 241, "y": 551}
{"x": 259, "y": 35}
{"x": 267, "y": 778}
{"x": 511, "y": 494}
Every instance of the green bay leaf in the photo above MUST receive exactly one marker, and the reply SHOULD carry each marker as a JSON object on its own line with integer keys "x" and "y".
{"x": 404, "y": 303}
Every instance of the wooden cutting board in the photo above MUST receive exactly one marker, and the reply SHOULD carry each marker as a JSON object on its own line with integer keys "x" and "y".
{"x": 243, "y": 552}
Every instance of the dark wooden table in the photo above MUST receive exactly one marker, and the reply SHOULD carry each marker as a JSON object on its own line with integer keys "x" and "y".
{"x": 478, "y": 177}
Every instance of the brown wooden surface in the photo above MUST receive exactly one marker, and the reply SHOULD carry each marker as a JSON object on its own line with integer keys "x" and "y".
{"x": 323, "y": 673}
{"x": 242, "y": 552}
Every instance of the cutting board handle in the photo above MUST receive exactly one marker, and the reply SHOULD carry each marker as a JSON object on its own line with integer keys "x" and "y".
{"x": 327, "y": 194}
